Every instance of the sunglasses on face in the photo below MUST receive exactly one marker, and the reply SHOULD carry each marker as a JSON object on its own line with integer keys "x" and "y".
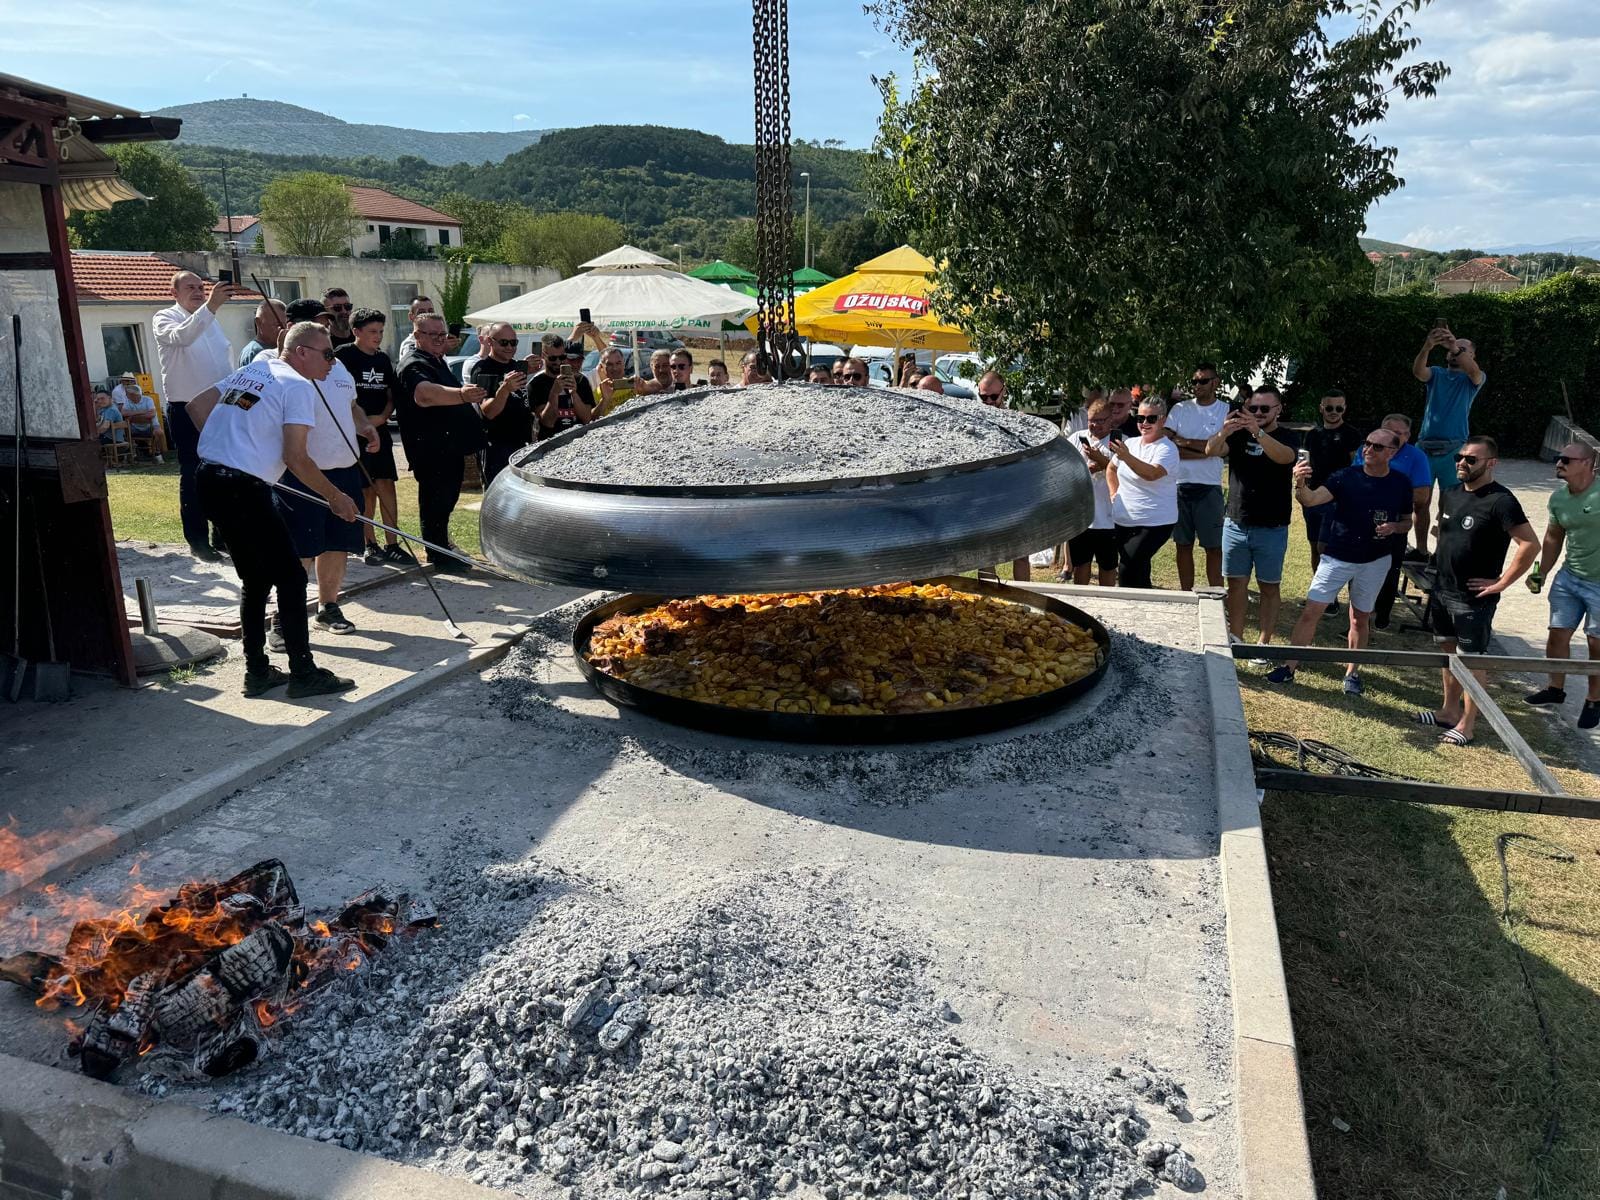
{"x": 1371, "y": 445}
{"x": 1470, "y": 459}
{"x": 1566, "y": 460}
{"x": 340, "y": 307}
{"x": 992, "y": 395}
{"x": 1147, "y": 418}
{"x": 1332, "y": 408}
{"x": 853, "y": 375}
{"x": 1260, "y": 409}
{"x": 1203, "y": 382}
{"x": 505, "y": 343}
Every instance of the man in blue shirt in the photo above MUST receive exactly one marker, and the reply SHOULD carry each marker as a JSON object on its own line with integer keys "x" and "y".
{"x": 1451, "y": 389}
{"x": 1413, "y": 464}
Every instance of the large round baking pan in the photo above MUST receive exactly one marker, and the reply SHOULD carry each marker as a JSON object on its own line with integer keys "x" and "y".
{"x": 785, "y": 537}
{"x": 847, "y": 729}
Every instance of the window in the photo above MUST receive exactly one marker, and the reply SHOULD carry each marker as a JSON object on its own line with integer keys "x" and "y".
{"x": 402, "y": 294}
{"x": 509, "y": 291}
{"x": 370, "y": 228}
{"x": 444, "y": 237}
{"x": 286, "y": 290}
{"x": 383, "y": 235}
{"x": 400, "y": 297}
{"x": 122, "y": 349}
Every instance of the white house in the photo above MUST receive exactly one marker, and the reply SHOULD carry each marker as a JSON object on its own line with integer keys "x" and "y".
{"x": 383, "y": 216}
{"x": 242, "y": 229}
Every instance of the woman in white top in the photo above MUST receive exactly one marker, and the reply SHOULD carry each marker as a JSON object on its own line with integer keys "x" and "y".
{"x": 1143, "y": 481}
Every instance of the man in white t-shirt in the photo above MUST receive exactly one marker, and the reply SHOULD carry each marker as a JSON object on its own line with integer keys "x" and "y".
{"x": 1144, "y": 492}
{"x": 192, "y": 353}
{"x": 1190, "y": 424}
{"x": 255, "y": 424}
{"x": 1096, "y": 546}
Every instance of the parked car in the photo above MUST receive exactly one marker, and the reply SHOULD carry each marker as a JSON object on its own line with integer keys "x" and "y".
{"x": 527, "y": 343}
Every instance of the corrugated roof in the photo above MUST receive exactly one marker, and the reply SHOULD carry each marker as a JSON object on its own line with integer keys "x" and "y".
{"x": 1476, "y": 270}
{"x": 237, "y": 224}
{"x": 375, "y": 204}
{"x": 107, "y": 276}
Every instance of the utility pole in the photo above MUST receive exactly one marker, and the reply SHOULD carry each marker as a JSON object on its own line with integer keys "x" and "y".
{"x": 806, "y": 260}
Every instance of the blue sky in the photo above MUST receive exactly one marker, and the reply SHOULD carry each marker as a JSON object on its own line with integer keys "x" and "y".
{"x": 1508, "y": 152}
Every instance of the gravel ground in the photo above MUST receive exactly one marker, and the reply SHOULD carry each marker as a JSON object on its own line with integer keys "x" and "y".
{"x": 769, "y": 434}
{"x": 723, "y": 1039}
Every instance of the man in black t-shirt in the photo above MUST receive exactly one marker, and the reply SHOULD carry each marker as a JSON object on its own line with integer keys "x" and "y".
{"x": 559, "y": 401}
{"x": 1332, "y": 444}
{"x": 507, "y": 419}
{"x": 439, "y": 427}
{"x": 341, "y": 321}
{"x": 1478, "y": 521}
{"x": 1255, "y": 530}
{"x": 376, "y": 384}
{"x": 1371, "y": 506}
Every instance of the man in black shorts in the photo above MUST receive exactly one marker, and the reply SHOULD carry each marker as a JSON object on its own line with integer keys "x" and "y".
{"x": 507, "y": 419}
{"x": 376, "y": 381}
{"x": 1096, "y": 546}
{"x": 1478, "y": 521}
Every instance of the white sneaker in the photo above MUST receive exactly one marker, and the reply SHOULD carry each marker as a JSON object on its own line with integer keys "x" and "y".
{"x": 160, "y": 458}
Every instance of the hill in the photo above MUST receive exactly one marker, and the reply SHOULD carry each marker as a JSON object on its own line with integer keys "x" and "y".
{"x": 271, "y": 127}
{"x": 1587, "y": 247}
{"x": 1370, "y": 244}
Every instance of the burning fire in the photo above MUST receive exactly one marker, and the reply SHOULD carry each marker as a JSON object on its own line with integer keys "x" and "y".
{"x": 205, "y": 973}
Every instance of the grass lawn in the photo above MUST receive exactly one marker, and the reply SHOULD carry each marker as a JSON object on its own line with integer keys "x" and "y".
{"x": 144, "y": 507}
{"x": 1414, "y": 1024}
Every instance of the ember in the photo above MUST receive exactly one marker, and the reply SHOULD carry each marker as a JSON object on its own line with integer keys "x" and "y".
{"x": 201, "y": 978}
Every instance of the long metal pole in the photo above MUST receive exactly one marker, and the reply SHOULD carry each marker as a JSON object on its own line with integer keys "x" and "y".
{"x": 806, "y": 258}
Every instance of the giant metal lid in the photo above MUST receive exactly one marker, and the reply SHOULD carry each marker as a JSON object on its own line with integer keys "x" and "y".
{"x": 593, "y": 513}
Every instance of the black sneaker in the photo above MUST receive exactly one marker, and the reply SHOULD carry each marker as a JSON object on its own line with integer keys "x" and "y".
{"x": 450, "y": 566}
{"x": 1589, "y": 717}
{"x": 205, "y": 554}
{"x": 373, "y": 556}
{"x": 275, "y": 641}
{"x": 332, "y": 619}
{"x": 399, "y": 555}
{"x": 1546, "y": 695}
{"x": 319, "y": 681}
{"x": 258, "y": 682}
{"x": 1334, "y": 609}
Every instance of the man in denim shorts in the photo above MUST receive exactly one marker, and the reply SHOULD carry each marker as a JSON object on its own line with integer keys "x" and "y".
{"x": 1200, "y": 502}
{"x": 1575, "y": 591}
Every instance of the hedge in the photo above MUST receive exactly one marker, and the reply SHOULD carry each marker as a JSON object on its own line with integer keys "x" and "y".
{"x": 1529, "y": 342}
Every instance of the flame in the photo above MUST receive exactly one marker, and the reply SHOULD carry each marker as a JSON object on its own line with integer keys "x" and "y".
{"x": 265, "y": 1017}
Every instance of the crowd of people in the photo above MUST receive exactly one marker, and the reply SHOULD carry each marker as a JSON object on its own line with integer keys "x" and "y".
{"x": 282, "y": 445}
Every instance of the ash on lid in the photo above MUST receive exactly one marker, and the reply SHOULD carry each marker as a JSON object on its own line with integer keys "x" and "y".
{"x": 784, "y": 433}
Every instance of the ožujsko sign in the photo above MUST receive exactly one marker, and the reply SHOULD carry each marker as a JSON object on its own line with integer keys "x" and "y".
{"x": 882, "y": 302}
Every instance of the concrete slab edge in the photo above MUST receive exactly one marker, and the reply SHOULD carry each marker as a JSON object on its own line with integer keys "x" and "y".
{"x": 63, "y": 1134}
{"x": 1274, "y": 1149}
{"x": 144, "y": 821}
{"x": 1091, "y": 590}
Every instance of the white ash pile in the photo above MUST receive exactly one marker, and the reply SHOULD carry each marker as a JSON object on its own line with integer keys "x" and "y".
{"x": 769, "y": 434}
{"x": 736, "y": 1041}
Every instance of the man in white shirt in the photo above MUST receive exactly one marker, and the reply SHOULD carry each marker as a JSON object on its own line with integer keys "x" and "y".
{"x": 421, "y": 306}
{"x": 1096, "y": 546}
{"x": 254, "y": 425}
{"x": 193, "y": 353}
{"x": 1200, "y": 502}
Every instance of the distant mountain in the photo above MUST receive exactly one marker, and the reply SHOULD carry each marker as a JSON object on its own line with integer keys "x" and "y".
{"x": 1382, "y": 247}
{"x": 271, "y": 127}
{"x": 1589, "y": 247}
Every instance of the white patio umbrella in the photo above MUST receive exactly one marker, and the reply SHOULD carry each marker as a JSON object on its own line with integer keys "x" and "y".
{"x": 624, "y": 290}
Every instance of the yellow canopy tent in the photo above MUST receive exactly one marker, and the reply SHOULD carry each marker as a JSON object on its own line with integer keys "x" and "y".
{"x": 883, "y": 302}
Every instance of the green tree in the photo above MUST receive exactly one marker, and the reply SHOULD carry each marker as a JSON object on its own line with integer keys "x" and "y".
{"x": 309, "y": 213}
{"x": 740, "y": 246}
{"x": 482, "y": 221}
{"x": 177, "y": 216}
{"x": 1119, "y": 187}
{"x": 455, "y": 295}
{"x": 849, "y": 243}
{"x": 564, "y": 241}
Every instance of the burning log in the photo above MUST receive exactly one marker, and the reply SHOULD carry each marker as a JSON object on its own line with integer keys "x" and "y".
{"x": 205, "y": 976}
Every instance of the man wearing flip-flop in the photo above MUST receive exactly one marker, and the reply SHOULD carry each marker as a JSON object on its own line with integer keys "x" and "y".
{"x": 1575, "y": 592}
{"x": 1478, "y": 521}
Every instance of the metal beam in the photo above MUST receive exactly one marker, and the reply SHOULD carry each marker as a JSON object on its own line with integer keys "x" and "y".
{"x": 1490, "y": 711}
{"x": 1285, "y": 779}
{"x": 1414, "y": 658}
{"x": 131, "y": 129}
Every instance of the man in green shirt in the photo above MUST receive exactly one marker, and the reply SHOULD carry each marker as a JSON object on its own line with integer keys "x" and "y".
{"x": 1575, "y": 591}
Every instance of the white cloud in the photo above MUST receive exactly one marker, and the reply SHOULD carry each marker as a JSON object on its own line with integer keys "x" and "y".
{"x": 522, "y": 117}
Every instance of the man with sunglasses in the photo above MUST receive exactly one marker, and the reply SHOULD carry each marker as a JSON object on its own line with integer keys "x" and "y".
{"x": 1370, "y": 506}
{"x": 254, "y": 426}
{"x": 1575, "y": 592}
{"x": 1255, "y": 529}
{"x": 377, "y": 386}
{"x": 507, "y": 418}
{"x": 439, "y": 428}
{"x": 853, "y": 372}
{"x": 560, "y": 399}
{"x": 1191, "y": 424}
{"x": 1478, "y": 521}
{"x": 680, "y": 369}
{"x": 992, "y": 391}
{"x": 1413, "y": 464}
{"x": 337, "y": 302}
{"x": 1332, "y": 444}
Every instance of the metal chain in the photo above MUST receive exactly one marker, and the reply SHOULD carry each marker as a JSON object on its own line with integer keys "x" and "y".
{"x": 775, "y": 336}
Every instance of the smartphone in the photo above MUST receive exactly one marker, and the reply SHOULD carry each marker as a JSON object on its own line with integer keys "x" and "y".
{"x": 226, "y": 276}
{"x": 1440, "y": 323}
{"x": 583, "y": 316}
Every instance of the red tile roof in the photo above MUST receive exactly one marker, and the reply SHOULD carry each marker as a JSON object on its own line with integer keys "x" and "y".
{"x": 375, "y": 204}
{"x": 239, "y": 223}
{"x": 1476, "y": 270}
{"x": 129, "y": 278}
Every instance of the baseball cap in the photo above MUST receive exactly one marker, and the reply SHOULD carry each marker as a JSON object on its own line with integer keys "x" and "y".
{"x": 304, "y": 309}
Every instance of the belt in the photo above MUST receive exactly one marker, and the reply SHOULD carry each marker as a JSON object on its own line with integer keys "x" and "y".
{"x": 229, "y": 472}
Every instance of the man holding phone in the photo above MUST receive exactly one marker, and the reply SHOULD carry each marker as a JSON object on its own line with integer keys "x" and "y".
{"x": 1446, "y": 423}
{"x": 507, "y": 419}
{"x": 559, "y": 395}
